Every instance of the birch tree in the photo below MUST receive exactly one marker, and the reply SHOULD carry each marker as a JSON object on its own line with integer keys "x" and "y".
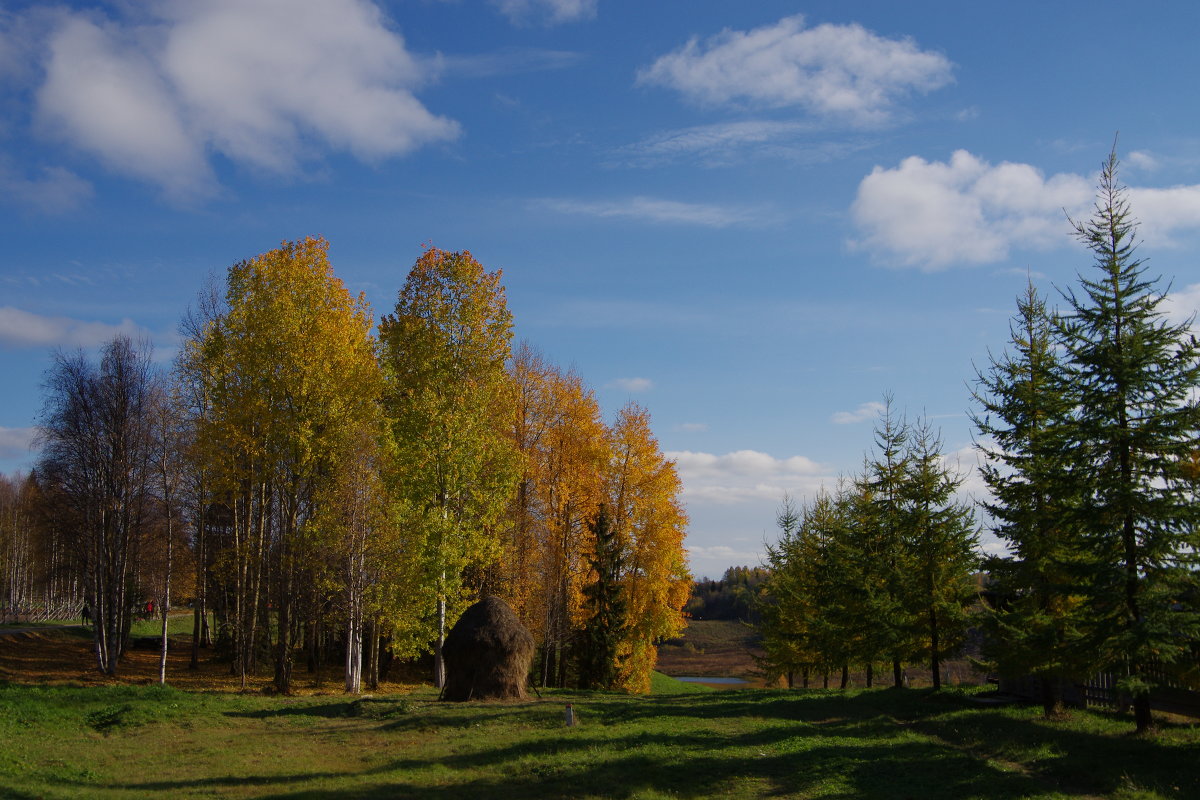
{"x": 443, "y": 353}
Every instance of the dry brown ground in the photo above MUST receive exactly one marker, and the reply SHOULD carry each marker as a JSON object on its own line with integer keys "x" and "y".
{"x": 58, "y": 657}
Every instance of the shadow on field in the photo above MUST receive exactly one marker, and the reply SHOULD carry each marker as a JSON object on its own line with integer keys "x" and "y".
{"x": 882, "y": 744}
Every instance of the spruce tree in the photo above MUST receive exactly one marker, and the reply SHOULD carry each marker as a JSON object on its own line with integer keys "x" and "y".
{"x": 939, "y": 542}
{"x": 877, "y": 539}
{"x": 1037, "y": 614}
{"x": 1134, "y": 374}
{"x": 605, "y": 605}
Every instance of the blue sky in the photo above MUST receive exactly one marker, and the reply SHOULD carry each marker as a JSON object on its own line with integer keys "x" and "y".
{"x": 755, "y": 219}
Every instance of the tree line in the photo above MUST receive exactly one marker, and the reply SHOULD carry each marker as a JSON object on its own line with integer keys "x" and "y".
{"x": 337, "y": 489}
{"x": 1088, "y": 427}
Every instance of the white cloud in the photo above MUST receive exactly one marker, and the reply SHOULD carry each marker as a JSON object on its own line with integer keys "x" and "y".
{"x": 693, "y": 427}
{"x": 54, "y": 191}
{"x": 633, "y": 384}
{"x": 547, "y": 12}
{"x": 933, "y": 214}
{"x": 723, "y": 554}
{"x": 671, "y": 212}
{"x": 1163, "y": 212}
{"x": 839, "y": 71}
{"x": 863, "y": 413}
{"x": 16, "y": 442}
{"x": 1182, "y": 305}
{"x": 266, "y": 83}
{"x": 24, "y": 329}
{"x": 1142, "y": 159}
{"x": 745, "y": 476}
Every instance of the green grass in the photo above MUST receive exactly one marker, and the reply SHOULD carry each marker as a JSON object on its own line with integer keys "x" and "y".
{"x": 133, "y": 742}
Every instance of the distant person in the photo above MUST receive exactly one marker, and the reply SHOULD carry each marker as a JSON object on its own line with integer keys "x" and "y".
{"x": 86, "y": 614}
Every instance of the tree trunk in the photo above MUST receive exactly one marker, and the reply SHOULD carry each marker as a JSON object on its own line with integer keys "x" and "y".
{"x": 935, "y": 665}
{"x": 439, "y": 665}
{"x": 897, "y": 674}
{"x": 845, "y": 676}
{"x": 166, "y": 599}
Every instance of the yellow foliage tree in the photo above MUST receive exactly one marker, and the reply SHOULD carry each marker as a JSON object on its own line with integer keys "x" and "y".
{"x": 643, "y": 497}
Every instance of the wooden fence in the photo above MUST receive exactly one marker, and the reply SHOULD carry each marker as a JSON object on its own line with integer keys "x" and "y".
{"x": 1174, "y": 691}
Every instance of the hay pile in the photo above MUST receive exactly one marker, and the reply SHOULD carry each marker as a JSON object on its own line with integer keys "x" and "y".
{"x": 488, "y": 653}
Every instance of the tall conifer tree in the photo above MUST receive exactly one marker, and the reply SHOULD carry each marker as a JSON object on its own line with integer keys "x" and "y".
{"x": 1136, "y": 423}
{"x": 1038, "y": 615}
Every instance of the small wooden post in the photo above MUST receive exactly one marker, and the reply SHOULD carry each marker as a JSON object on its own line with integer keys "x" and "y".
{"x": 570, "y": 716}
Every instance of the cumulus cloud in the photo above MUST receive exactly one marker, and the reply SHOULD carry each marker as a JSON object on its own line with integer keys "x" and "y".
{"x": 1183, "y": 304}
{"x": 266, "y": 83}
{"x": 655, "y": 210}
{"x": 745, "y": 476}
{"x": 633, "y": 384}
{"x": 934, "y": 215}
{"x": 19, "y": 329}
{"x": 836, "y": 71}
{"x": 546, "y": 12}
{"x": 16, "y": 442}
{"x": 863, "y": 413}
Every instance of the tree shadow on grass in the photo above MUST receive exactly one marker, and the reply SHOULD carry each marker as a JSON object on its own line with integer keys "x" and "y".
{"x": 1062, "y": 753}
{"x": 867, "y": 746}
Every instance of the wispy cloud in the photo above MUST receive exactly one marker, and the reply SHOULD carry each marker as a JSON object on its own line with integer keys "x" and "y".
{"x": 154, "y": 91}
{"x": 693, "y": 427}
{"x": 731, "y": 143}
{"x": 663, "y": 212}
{"x": 546, "y": 12}
{"x": 746, "y": 476}
{"x": 20, "y": 329}
{"x": 934, "y": 215}
{"x": 632, "y": 384}
{"x": 509, "y": 61}
{"x": 53, "y": 190}
{"x": 866, "y": 411}
{"x": 833, "y": 71}
{"x": 16, "y": 442}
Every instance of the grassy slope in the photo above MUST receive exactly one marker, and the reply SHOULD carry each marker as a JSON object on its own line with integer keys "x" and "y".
{"x": 126, "y": 742}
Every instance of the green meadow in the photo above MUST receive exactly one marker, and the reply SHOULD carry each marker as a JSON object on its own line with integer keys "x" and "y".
{"x": 680, "y": 741}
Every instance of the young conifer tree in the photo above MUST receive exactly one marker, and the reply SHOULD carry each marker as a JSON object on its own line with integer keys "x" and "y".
{"x": 1134, "y": 374}
{"x": 939, "y": 539}
{"x": 877, "y": 536}
{"x": 1037, "y": 617}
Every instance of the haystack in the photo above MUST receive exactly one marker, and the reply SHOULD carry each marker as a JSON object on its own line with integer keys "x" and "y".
{"x": 487, "y": 654}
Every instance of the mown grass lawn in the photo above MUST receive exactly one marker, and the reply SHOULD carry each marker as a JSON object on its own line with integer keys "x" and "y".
{"x": 139, "y": 741}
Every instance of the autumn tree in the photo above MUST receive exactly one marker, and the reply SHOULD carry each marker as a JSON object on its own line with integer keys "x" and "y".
{"x": 288, "y": 371}
{"x": 443, "y": 353}
{"x": 643, "y": 497}
{"x": 557, "y": 427}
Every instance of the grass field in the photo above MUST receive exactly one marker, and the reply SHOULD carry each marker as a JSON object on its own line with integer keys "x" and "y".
{"x": 139, "y": 741}
{"x": 67, "y": 732}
